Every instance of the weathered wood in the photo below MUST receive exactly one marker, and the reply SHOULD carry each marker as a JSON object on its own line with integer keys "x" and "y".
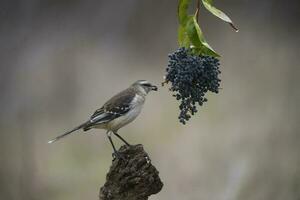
{"x": 131, "y": 178}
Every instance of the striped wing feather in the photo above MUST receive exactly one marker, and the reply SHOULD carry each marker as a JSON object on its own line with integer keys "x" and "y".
{"x": 117, "y": 106}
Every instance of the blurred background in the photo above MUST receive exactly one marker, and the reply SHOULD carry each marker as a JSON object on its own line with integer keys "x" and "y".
{"x": 62, "y": 59}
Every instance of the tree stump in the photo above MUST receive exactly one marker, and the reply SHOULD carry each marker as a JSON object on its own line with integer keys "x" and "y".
{"x": 131, "y": 178}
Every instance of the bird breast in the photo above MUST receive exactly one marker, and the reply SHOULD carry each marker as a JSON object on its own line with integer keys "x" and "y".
{"x": 137, "y": 105}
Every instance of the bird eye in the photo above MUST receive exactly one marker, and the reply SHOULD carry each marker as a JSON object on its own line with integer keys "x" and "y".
{"x": 147, "y": 85}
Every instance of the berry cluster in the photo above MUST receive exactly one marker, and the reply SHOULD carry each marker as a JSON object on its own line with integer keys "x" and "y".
{"x": 191, "y": 77}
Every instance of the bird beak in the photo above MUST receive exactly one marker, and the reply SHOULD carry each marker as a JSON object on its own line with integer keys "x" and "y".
{"x": 153, "y": 87}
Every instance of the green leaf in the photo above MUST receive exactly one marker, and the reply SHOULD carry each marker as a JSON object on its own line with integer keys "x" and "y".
{"x": 183, "y": 6}
{"x": 183, "y": 38}
{"x": 189, "y": 32}
{"x": 183, "y": 16}
{"x": 208, "y": 5}
{"x": 195, "y": 35}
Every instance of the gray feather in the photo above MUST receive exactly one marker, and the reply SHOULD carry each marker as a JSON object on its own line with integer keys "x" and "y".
{"x": 69, "y": 132}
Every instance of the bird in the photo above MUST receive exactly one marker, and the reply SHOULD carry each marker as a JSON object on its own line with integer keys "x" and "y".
{"x": 117, "y": 112}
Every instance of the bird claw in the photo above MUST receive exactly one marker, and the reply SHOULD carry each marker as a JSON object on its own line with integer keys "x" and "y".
{"x": 129, "y": 145}
{"x": 118, "y": 155}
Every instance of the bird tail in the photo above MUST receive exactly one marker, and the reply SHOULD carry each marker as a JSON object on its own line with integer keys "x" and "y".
{"x": 69, "y": 132}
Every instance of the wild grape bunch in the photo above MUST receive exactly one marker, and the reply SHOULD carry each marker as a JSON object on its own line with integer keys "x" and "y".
{"x": 191, "y": 77}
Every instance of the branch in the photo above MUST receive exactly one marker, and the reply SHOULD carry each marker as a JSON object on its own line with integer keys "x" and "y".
{"x": 132, "y": 178}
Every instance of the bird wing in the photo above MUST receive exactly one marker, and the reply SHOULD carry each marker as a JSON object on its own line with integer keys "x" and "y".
{"x": 115, "y": 107}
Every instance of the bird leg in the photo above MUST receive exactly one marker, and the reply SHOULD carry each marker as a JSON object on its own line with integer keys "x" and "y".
{"x": 116, "y": 134}
{"x": 116, "y": 153}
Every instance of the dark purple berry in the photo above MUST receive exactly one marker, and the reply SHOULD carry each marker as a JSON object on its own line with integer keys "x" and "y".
{"x": 191, "y": 76}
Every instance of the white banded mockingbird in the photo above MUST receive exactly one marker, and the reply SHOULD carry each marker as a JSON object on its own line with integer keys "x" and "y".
{"x": 117, "y": 112}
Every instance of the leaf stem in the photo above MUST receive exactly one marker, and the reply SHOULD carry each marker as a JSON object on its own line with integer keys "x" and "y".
{"x": 198, "y": 8}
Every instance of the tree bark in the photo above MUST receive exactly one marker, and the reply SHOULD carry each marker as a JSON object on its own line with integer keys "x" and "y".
{"x": 131, "y": 178}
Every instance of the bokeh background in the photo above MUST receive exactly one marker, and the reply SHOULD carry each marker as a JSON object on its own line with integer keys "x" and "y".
{"x": 62, "y": 59}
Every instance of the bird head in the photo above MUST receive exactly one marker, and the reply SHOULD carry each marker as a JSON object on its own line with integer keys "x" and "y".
{"x": 144, "y": 85}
